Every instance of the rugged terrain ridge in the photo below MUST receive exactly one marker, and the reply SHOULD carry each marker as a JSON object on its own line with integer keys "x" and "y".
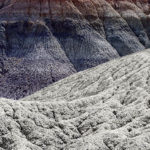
{"x": 43, "y": 41}
{"x": 103, "y": 108}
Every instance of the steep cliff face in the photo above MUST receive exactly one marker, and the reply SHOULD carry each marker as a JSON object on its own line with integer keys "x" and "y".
{"x": 42, "y": 41}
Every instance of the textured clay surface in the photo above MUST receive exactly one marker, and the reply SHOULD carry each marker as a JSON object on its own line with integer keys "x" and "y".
{"x": 103, "y": 108}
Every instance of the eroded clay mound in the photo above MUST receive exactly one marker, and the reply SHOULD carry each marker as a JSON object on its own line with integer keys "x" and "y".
{"x": 43, "y": 41}
{"x": 107, "y": 107}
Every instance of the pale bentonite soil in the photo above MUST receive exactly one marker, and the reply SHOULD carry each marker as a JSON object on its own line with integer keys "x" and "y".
{"x": 103, "y": 108}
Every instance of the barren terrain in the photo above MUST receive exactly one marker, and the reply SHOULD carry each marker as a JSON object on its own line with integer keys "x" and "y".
{"x": 103, "y": 108}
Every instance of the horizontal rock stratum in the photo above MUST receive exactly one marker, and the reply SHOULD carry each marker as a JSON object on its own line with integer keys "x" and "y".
{"x": 71, "y": 8}
{"x": 43, "y": 41}
{"x": 103, "y": 108}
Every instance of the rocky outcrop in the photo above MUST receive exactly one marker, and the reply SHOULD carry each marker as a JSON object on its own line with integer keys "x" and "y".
{"x": 46, "y": 40}
{"x": 106, "y": 107}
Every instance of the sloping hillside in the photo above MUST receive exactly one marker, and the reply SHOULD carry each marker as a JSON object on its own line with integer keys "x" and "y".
{"x": 103, "y": 108}
{"x": 43, "y": 41}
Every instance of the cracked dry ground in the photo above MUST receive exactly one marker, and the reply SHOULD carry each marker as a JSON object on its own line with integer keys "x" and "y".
{"x": 103, "y": 108}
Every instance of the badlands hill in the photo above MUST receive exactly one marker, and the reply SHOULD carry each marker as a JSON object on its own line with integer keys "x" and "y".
{"x": 103, "y": 108}
{"x": 42, "y": 41}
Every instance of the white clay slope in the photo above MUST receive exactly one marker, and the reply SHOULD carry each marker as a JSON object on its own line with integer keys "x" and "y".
{"x": 103, "y": 108}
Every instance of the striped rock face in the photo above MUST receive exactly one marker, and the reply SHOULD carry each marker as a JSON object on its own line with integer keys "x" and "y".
{"x": 42, "y": 41}
{"x": 71, "y": 8}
